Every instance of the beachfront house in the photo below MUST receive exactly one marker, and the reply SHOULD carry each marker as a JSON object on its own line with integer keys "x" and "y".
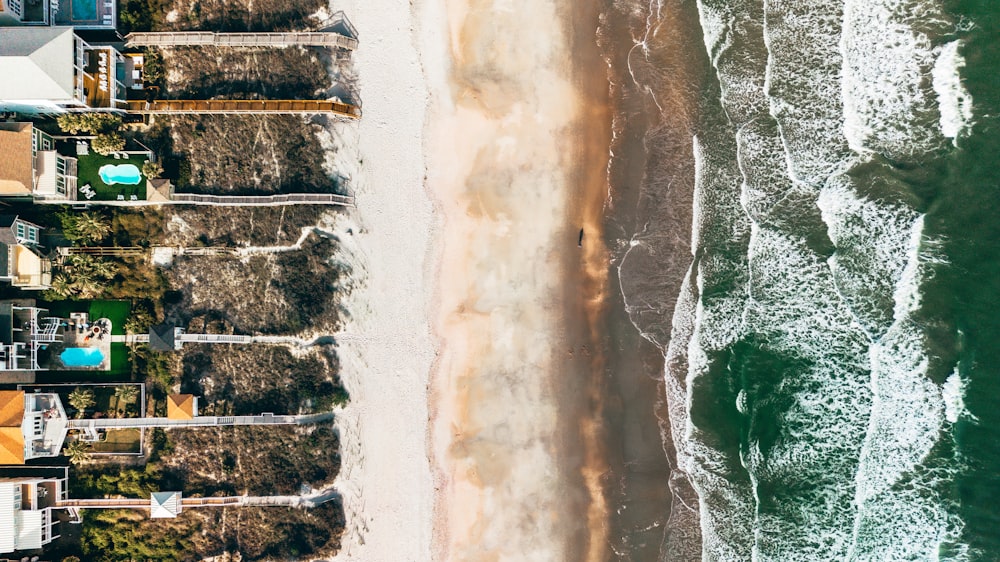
{"x": 23, "y": 263}
{"x": 83, "y": 14}
{"x": 32, "y": 167}
{"x": 27, "y": 502}
{"x": 57, "y": 71}
{"x": 32, "y": 425}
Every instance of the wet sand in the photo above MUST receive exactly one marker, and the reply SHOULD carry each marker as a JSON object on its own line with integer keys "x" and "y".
{"x": 517, "y": 158}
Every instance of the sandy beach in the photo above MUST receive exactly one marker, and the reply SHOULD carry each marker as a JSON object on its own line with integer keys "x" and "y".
{"x": 471, "y": 354}
{"x": 387, "y": 350}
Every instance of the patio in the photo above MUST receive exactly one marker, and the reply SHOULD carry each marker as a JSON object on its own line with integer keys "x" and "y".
{"x": 88, "y": 173}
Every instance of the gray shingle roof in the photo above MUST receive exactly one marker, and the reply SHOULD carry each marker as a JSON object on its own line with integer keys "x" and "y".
{"x": 42, "y": 60}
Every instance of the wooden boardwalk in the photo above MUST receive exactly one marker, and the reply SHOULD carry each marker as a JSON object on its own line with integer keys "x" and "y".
{"x": 141, "y": 251}
{"x": 263, "y": 200}
{"x": 90, "y": 425}
{"x": 179, "y": 38}
{"x": 222, "y": 200}
{"x": 228, "y": 107}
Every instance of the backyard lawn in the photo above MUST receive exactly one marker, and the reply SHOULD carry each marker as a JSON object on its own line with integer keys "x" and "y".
{"x": 88, "y": 172}
{"x": 115, "y": 310}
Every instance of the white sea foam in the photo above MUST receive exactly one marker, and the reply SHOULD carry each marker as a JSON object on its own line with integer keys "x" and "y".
{"x": 873, "y": 241}
{"x": 889, "y": 104}
{"x": 954, "y": 101}
{"x": 803, "y": 86}
{"x": 819, "y": 402}
{"x": 840, "y": 436}
{"x": 953, "y": 394}
{"x": 902, "y": 510}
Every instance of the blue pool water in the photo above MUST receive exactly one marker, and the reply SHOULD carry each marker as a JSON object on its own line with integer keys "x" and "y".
{"x": 85, "y": 10}
{"x": 127, "y": 174}
{"x": 81, "y": 357}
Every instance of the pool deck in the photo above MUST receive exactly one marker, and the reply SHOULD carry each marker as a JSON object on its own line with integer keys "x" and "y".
{"x": 80, "y": 333}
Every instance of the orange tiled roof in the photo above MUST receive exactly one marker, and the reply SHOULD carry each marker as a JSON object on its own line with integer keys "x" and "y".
{"x": 11, "y": 445}
{"x": 180, "y": 406}
{"x": 11, "y": 408}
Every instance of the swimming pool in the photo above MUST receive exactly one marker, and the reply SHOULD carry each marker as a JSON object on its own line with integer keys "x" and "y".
{"x": 81, "y": 357}
{"x": 127, "y": 174}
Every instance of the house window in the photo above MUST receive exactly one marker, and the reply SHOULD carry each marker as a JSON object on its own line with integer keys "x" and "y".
{"x": 15, "y": 6}
{"x": 20, "y": 231}
{"x": 32, "y": 234}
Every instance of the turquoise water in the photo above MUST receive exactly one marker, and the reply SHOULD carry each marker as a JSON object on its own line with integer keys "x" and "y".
{"x": 85, "y": 10}
{"x": 833, "y": 363}
{"x": 127, "y": 174}
{"x": 81, "y": 357}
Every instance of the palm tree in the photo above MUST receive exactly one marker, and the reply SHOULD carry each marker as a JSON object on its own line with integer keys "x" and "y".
{"x": 62, "y": 286}
{"x": 125, "y": 394}
{"x": 81, "y": 399}
{"x": 85, "y": 228}
{"x": 77, "y": 451}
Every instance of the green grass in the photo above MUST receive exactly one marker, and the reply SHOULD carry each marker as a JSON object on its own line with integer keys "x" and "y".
{"x": 119, "y": 441}
{"x": 88, "y": 166}
{"x": 115, "y": 310}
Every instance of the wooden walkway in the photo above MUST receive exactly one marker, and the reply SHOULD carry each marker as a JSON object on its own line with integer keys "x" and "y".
{"x": 228, "y": 107}
{"x": 90, "y": 425}
{"x": 178, "y": 38}
{"x": 263, "y": 200}
{"x": 196, "y": 502}
{"x": 140, "y": 251}
{"x": 223, "y": 200}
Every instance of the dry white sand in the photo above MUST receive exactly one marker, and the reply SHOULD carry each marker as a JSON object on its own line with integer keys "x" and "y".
{"x": 386, "y": 358}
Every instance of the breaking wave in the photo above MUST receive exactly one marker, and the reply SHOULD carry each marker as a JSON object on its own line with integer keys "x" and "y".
{"x": 806, "y": 410}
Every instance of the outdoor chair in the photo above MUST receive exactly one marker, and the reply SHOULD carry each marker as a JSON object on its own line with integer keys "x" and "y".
{"x": 121, "y": 197}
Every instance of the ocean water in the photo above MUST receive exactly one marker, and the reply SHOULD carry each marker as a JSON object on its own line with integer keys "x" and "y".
{"x": 815, "y": 249}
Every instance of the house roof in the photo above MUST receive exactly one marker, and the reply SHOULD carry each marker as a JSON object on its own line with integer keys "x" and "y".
{"x": 181, "y": 406}
{"x": 42, "y": 58}
{"x": 164, "y": 505}
{"x": 161, "y": 337}
{"x": 11, "y": 445}
{"x": 16, "y": 173}
{"x": 11, "y": 408}
{"x": 7, "y": 235}
{"x": 158, "y": 190}
{"x": 11, "y": 435}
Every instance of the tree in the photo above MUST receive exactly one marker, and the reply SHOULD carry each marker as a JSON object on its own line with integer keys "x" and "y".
{"x": 139, "y": 320}
{"x": 77, "y": 451}
{"x": 125, "y": 394}
{"x": 62, "y": 286}
{"x": 94, "y": 122}
{"x": 81, "y": 399}
{"x": 151, "y": 169}
{"x": 85, "y": 228}
{"x": 106, "y": 143}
